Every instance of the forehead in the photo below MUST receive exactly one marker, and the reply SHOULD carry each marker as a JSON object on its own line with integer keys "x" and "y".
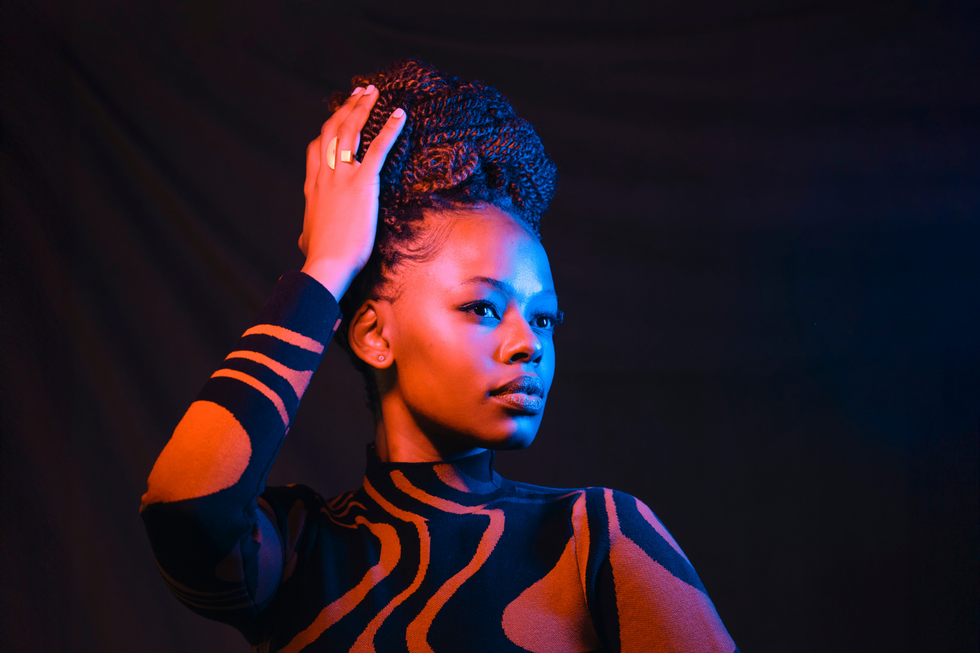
{"x": 487, "y": 242}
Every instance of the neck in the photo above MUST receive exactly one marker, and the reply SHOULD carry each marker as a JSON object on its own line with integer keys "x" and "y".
{"x": 398, "y": 438}
{"x": 465, "y": 481}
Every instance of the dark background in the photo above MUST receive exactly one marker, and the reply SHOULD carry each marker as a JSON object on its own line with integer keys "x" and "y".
{"x": 765, "y": 240}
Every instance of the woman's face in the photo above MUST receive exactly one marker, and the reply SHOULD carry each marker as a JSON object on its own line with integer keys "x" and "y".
{"x": 471, "y": 338}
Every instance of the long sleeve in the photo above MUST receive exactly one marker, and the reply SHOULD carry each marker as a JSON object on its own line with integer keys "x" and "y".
{"x": 218, "y": 552}
{"x": 648, "y": 594}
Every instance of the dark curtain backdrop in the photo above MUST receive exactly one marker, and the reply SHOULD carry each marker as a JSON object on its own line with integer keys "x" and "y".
{"x": 765, "y": 241}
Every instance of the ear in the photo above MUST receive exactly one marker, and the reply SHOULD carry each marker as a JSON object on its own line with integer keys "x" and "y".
{"x": 368, "y": 334}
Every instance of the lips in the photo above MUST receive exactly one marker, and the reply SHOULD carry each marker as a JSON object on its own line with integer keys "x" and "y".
{"x": 525, "y": 393}
{"x": 527, "y": 385}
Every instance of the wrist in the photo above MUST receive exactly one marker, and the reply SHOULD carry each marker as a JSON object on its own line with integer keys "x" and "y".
{"x": 335, "y": 276}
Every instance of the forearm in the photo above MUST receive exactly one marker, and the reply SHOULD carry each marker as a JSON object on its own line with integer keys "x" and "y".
{"x": 200, "y": 505}
{"x": 334, "y": 274}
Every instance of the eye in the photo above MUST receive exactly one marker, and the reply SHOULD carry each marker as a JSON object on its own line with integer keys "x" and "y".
{"x": 482, "y": 309}
{"x": 547, "y": 320}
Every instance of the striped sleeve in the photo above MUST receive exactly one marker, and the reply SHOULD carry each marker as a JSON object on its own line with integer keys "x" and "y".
{"x": 217, "y": 548}
{"x": 644, "y": 588}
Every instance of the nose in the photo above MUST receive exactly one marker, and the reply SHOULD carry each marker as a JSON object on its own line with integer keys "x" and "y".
{"x": 521, "y": 344}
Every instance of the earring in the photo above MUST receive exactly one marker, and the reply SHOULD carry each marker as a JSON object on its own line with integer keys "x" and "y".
{"x": 381, "y": 358}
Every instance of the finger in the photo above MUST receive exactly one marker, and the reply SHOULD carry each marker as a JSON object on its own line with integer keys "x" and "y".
{"x": 329, "y": 128}
{"x": 349, "y": 132}
{"x": 376, "y": 154}
{"x": 340, "y": 115}
{"x": 312, "y": 164}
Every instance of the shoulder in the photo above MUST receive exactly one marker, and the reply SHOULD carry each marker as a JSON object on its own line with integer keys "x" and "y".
{"x": 289, "y": 508}
{"x": 632, "y": 537}
{"x": 654, "y": 589}
{"x": 625, "y": 516}
{"x": 296, "y": 512}
{"x": 597, "y": 500}
{"x": 517, "y": 488}
{"x": 632, "y": 518}
{"x": 610, "y": 516}
{"x": 286, "y": 496}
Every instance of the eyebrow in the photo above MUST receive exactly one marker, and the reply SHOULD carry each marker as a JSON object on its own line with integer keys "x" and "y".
{"x": 501, "y": 285}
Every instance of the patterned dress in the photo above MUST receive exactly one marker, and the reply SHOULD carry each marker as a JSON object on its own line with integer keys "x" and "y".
{"x": 423, "y": 557}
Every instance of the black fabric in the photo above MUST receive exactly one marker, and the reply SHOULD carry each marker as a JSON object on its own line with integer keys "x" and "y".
{"x": 764, "y": 240}
{"x": 303, "y": 302}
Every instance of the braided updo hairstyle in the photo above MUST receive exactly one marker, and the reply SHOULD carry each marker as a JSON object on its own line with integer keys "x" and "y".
{"x": 462, "y": 145}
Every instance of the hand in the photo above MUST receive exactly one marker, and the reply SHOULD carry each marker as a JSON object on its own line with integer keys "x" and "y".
{"x": 341, "y": 219}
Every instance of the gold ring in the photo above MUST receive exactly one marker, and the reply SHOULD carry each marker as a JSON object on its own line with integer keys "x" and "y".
{"x": 346, "y": 156}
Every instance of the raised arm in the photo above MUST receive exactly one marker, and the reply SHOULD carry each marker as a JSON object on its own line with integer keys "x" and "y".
{"x": 218, "y": 552}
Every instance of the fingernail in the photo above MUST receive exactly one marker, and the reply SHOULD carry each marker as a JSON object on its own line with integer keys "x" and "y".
{"x": 369, "y": 89}
{"x": 356, "y": 90}
{"x": 398, "y": 113}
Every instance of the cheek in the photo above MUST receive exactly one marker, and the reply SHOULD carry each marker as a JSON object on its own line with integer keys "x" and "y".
{"x": 549, "y": 371}
{"x": 446, "y": 356}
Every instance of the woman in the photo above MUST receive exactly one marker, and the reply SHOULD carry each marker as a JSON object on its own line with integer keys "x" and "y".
{"x": 423, "y": 200}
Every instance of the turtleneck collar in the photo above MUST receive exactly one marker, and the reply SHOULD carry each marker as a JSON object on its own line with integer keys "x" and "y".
{"x": 470, "y": 480}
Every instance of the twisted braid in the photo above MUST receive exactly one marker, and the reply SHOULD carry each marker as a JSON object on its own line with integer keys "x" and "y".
{"x": 462, "y": 145}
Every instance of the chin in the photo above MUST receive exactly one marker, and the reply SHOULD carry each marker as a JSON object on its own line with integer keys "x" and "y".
{"x": 521, "y": 438}
{"x": 517, "y": 443}
{"x": 513, "y": 432}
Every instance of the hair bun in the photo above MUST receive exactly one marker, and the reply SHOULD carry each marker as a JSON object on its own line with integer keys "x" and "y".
{"x": 462, "y": 144}
{"x": 441, "y": 166}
